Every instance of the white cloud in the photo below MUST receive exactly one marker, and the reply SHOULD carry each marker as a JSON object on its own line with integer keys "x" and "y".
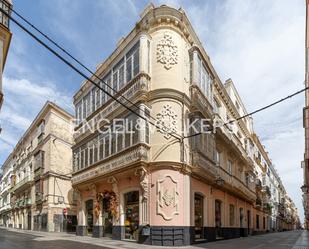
{"x": 23, "y": 101}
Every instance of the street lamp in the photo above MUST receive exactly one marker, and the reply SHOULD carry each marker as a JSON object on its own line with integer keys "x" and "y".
{"x": 220, "y": 181}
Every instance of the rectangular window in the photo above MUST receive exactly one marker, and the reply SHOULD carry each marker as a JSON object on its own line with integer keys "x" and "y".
{"x": 118, "y": 75}
{"x": 97, "y": 98}
{"x": 247, "y": 178}
{"x": 132, "y": 62}
{"x": 101, "y": 146}
{"x": 76, "y": 162}
{"x": 147, "y": 131}
{"x": 135, "y": 130}
{"x": 129, "y": 68}
{"x": 93, "y": 100}
{"x": 257, "y": 221}
{"x": 106, "y": 86}
{"x": 229, "y": 167}
{"x": 95, "y": 150}
{"x": 129, "y": 131}
{"x": 113, "y": 143}
{"x": 90, "y": 148}
{"x": 217, "y": 157}
{"x": 78, "y": 112}
{"x": 86, "y": 156}
{"x": 115, "y": 82}
{"x": 136, "y": 63}
{"x": 204, "y": 79}
{"x": 107, "y": 145}
{"x": 82, "y": 156}
{"x": 232, "y": 215}
{"x": 121, "y": 77}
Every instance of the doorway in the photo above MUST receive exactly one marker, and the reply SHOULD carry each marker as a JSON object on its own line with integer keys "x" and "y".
{"x": 89, "y": 216}
{"x": 218, "y": 219}
{"x": 107, "y": 217}
{"x": 198, "y": 216}
{"x": 248, "y": 220}
{"x": 131, "y": 219}
{"x": 241, "y": 217}
{"x": 29, "y": 220}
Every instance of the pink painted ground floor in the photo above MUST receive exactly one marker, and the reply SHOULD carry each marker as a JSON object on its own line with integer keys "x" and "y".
{"x": 164, "y": 206}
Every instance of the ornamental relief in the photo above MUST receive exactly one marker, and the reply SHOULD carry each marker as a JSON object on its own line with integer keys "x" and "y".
{"x": 167, "y": 197}
{"x": 167, "y": 52}
{"x": 167, "y": 121}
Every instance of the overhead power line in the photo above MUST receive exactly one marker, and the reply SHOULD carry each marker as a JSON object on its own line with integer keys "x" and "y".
{"x": 175, "y": 135}
{"x": 75, "y": 59}
{"x": 256, "y": 111}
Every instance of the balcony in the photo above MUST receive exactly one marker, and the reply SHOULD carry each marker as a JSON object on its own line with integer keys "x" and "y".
{"x": 258, "y": 202}
{"x": 39, "y": 197}
{"x": 23, "y": 184}
{"x": 25, "y": 202}
{"x": 5, "y": 189}
{"x": 38, "y": 173}
{"x": 258, "y": 184}
{"x": 200, "y": 102}
{"x": 5, "y": 207}
{"x": 266, "y": 189}
{"x": 137, "y": 88}
{"x": 137, "y": 153}
{"x": 213, "y": 173}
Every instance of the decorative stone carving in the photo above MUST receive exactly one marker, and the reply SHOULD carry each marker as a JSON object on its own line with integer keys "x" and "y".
{"x": 144, "y": 181}
{"x": 167, "y": 52}
{"x": 112, "y": 180}
{"x": 167, "y": 197}
{"x": 167, "y": 121}
{"x": 92, "y": 190}
{"x": 115, "y": 204}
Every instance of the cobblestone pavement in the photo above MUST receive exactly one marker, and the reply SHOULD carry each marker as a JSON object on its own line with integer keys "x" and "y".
{"x": 21, "y": 239}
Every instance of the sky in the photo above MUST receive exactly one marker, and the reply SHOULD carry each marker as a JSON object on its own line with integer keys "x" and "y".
{"x": 258, "y": 44}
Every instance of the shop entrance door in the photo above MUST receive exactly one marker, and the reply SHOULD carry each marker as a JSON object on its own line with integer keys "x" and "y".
{"x": 89, "y": 216}
{"x": 107, "y": 218}
{"x": 131, "y": 219}
{"x": 198, "y": 216}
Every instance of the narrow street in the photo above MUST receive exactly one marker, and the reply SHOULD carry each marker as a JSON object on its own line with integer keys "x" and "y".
{"x": 19, "y": 239}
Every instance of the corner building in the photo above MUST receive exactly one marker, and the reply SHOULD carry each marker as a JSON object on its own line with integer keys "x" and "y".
{"x": 147, "y": 185}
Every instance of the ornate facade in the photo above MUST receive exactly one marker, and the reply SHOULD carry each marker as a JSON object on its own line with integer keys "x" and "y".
{"x": 157, "y": 185}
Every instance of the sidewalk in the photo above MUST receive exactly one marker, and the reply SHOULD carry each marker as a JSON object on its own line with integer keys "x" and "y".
{"x": 303, "y": 241}
{"x": 104, "y": 242}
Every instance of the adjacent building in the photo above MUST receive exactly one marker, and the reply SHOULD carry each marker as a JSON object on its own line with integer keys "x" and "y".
{"x": 5, "y": 196}
{"x": 155, "y": 175}
{"x": 36, "y": 188}
{"x": 5, "y": 39}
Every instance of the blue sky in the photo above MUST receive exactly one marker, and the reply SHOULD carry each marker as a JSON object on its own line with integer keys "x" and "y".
{"x": 259, "y": 44}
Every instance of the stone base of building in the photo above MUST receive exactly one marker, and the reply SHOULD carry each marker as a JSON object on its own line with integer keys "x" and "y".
{"x": 97, "y": 231}
{"x": 171, "y": 236}
{"x": 81, "y": 230}
{"x": 176, "y": 235}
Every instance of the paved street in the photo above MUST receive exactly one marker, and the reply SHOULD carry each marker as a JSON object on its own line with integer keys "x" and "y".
{"x": 18, "y": 239}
